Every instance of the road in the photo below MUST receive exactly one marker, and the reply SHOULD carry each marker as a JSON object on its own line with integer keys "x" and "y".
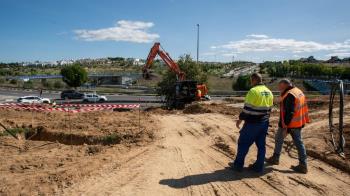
{"x": 12, "y": 95}
{"x": 7, "y": 95}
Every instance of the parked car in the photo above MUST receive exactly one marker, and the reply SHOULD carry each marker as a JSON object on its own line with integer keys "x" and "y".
{"x": 94, "y": 98}
{"x": 71, "y": 94}
{"x": 33, "y": 99}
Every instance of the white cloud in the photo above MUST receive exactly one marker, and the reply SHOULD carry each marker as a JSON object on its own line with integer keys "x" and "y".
{"x": 339, "y": 54}
{"x": 258, "y": 36}
{"x": 263, "y": 43}
{"x": 124, "y": 30}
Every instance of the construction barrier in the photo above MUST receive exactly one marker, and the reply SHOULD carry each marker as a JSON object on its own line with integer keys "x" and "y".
{"x": 71, "y": 108}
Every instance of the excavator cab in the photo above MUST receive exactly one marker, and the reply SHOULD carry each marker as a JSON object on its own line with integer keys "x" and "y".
{"x": 185, "y": 93}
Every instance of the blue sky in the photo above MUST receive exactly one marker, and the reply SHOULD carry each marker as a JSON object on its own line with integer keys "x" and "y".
{"x": 255, "y": 30}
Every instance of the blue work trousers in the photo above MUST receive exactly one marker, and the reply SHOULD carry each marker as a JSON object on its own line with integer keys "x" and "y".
{"x": 298, "y": 142}
{"x": 249, "y": 134}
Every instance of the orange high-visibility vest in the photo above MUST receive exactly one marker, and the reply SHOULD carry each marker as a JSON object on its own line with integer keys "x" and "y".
{"x": 199, "y": 94}
{"x": 301, "y": 111}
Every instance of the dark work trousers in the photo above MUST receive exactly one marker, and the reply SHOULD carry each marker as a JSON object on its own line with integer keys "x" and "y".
{"x": 249, "y": 134}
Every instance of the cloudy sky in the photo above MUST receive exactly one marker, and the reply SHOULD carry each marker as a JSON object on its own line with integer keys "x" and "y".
{"x": 254, "y": 30}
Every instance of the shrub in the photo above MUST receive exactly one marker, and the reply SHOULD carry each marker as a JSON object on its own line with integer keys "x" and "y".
{"x": 242, "y": 83}
{"x": 58, "y": 84}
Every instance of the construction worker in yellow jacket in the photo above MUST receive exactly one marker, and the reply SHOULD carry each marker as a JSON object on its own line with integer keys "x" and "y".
{"x": 255, "y": 114}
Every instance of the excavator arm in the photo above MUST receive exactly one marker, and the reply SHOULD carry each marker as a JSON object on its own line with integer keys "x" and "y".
{"x": 183, "y": 89}
{"x": 156, "y": 50}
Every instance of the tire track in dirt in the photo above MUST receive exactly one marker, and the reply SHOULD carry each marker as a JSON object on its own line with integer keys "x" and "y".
{"x": 229, "y": 186}
{"x": 256, "y": 187}
{"x": 286, "y": 164}
{"x": 190, "y": 164}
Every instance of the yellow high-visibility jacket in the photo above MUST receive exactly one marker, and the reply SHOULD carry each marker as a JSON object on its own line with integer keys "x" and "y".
{"x": 257, "y": 105}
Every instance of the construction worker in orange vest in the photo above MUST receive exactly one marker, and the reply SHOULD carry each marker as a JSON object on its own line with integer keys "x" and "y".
{"x": 293, "y": 117}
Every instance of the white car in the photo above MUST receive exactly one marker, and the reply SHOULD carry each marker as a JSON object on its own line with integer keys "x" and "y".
{"x": 33, "y": 99}
{"x": 94, "y": 98}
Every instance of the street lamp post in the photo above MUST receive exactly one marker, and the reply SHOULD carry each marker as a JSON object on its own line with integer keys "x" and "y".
{"x": 197, "y": 42}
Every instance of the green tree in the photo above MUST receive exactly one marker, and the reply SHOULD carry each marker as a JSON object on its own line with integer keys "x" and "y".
{"x": 74, "y": 75}
{"x": 242, "y": 83}
{"x": 192, "y": 70}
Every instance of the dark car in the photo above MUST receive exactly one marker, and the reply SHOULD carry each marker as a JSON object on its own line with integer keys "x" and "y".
{"x": 71, "y": 94}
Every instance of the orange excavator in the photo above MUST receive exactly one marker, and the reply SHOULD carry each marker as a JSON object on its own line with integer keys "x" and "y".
{"x": 185, "y": 91}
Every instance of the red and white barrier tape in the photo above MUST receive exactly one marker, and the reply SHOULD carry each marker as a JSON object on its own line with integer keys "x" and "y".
{"x": 65, "y": 108}
{"x": 71, "y": 105}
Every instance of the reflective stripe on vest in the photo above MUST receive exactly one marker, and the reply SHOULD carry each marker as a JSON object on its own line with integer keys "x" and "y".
{"x": 301, "y": 111}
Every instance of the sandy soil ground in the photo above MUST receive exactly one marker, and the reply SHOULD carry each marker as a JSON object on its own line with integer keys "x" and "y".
{"x": 187, "y": 155}
{"x": 191, "y": 159}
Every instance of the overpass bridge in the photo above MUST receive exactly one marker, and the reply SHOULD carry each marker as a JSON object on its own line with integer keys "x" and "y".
{"x": 101, "y": 78}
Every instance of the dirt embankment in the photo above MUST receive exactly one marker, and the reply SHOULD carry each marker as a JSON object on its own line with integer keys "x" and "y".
{"x": 56, "y": 149}
{"x": 211, "y": 107}
{"x": 199, "y": 108}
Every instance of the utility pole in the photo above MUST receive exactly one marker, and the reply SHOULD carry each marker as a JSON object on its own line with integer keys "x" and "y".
{"x": 197, "y": 42}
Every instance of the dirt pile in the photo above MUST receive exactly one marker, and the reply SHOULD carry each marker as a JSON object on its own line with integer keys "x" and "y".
{"x": 317, "y": 103}
{"x": 159, "y": 110}
{"x": 196, "y": 108}
{"x": 224, "y": 109}
{"x": 201, "y": 108}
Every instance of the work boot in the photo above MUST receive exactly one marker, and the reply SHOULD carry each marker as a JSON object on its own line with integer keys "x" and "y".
{"x": 301, "y": 168}
{"x": 273, "y": 160}
{"x": 231, "y": 164}
{"x": 253, "y": 167}
{"x": 234, "y": 168}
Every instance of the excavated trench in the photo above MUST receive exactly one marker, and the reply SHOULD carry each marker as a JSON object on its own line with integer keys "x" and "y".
{"x": 42, "y": 134}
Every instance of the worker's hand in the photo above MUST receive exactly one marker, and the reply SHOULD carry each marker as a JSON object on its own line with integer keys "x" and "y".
{"x": 238, "y": 124}
{"x": 284, "y": 132}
